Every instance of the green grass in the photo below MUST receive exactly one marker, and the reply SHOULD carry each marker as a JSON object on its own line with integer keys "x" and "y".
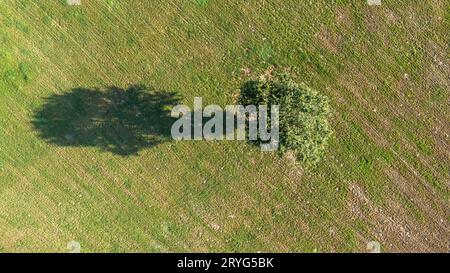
{"x": 390, "y": 138}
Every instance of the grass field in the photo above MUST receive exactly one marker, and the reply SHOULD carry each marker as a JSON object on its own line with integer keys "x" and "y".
{"x": 385, "y": 178}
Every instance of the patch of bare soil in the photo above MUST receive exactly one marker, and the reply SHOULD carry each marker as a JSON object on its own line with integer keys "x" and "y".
{"x": 329, "y": 40}
{"x": 393, "y": 225}
{"x": 343, "y": 17}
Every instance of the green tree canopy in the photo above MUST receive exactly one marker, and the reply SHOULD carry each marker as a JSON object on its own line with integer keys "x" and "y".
{"x": 304, "y": 114}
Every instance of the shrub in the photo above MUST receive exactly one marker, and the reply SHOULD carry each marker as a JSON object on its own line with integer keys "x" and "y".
{"x": 304, "y": 113}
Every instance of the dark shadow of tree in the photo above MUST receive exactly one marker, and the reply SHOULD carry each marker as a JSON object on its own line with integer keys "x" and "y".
{"x": 250, "y": 94}
{"x": 116, "y": 120}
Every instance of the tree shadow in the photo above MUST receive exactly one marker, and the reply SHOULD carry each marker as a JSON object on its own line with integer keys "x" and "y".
{"x": 120, "y": 121}
{"x": 250, "y": 94}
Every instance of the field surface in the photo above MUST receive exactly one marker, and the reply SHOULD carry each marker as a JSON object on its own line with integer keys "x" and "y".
{"x": 77, "y": 163}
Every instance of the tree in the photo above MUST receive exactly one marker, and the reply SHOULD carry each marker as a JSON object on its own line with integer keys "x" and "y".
{"x": 304, "y": 114}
